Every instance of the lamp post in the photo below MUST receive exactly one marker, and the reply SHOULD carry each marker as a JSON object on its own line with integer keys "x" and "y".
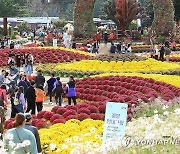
{"x": 48, "y": 23}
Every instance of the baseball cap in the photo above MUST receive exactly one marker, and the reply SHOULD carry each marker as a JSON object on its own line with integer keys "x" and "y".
{"x": 28, "y": 116}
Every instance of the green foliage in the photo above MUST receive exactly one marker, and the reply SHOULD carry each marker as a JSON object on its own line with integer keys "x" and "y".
{"x": 67, "y": 12}
{"x": 8, "y": 8}
{"x": 148, "y": 13}
{"x": 60, "y": 23}
{"x": 109, "y": 10}
{"x": 24, "y": 26}
{"x": 133, "y": 25}
{"x": 160, "y": 39}
{"x": 98, "y": 12}
{"x": 177, "y": 9}
{"x": 13, "y": 8}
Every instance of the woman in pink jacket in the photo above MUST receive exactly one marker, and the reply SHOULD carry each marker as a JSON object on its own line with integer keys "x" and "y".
{"x": 3, "y": 96}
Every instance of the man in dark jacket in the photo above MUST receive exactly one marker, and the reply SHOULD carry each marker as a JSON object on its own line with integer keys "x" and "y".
{"x": 40, "y": 80}
{"x": 113, "y": 48}
{"x": 119, "y": 47}
{"x": 34, "y": 130}
{"x": 31, "y": 98}
{"x": 50, "y": 83}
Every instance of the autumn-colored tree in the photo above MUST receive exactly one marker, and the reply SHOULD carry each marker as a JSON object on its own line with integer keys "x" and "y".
{"x": 126, "y": 12}
{"x": 83, "y": 18}
{"x": 163, "y": 24}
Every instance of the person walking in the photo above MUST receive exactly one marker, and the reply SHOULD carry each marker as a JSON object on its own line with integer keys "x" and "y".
{"x": 28, "y": 65}
{"x": 113, "y": 48}
{"x": 11, "y": 92}
{"x": 89, "y": 47}
{"x": 156, "y": 50}
{"x": 28, "y": 126}
{"x": 162, "y": 51}
{"x": 40, "y": 95}
{"x": 20, "y": 103}
{"x": 173, "y": 45}
{"x": 50, "y": 84}
{"x": 11, "y": 45}
{"x": 2, "y": 77}
{"x": 14, "y": 72}
{"x": 129, "y": 48}
{"x": 119, "y": 46}
{"x": 71, "y": 90}
{"x": 23, "y": 83}
{"x": 3, "y": 96}
{"x": 40, "y": 80}
{"x": 167, "y": 52}
{"x": 106, "y": 37}
{"x": 20, "y": 136}
{"x": 18, "y": 61}
{"x": 111, "y": 37}
{"x": 31, "y": 98}
{"x": 98, "y": 38}
{"x": 95, "y": 48}
{"x": 58, "y": 91}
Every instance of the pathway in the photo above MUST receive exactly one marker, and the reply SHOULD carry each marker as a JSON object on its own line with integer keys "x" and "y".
{"x": 104, "y": 48}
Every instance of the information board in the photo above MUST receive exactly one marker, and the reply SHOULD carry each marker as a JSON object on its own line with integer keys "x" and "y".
{"x": 115, "y": 121}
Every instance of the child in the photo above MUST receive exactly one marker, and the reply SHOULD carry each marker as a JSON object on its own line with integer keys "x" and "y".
{"x": 40, "y": 95}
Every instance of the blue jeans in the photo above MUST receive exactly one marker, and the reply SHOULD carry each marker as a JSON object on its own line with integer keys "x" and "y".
{"x": 29, "y": 70}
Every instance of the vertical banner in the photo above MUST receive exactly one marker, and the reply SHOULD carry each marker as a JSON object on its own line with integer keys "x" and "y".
{"x": 115, "y": 122}
{"x": 55, "y": 43}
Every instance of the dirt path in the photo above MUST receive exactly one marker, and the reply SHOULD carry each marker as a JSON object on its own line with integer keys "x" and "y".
{"x": 104, "y": 48}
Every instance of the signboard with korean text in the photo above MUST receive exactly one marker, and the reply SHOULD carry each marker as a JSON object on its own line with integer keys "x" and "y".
{"x": 115, "y": 121}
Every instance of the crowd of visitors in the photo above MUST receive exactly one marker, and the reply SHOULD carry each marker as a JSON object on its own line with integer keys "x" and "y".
{"x": 21, "y": 60}
{"x": 162, "y": 52}
{"x": 27, "y": 96}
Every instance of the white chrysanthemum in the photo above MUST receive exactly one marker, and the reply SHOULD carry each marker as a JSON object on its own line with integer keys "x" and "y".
{"x": 52, "y": 146}
{"x": 177, "y": 111}
{"x": 155, "y": 111}
{"x": 165, "y": 107}
{"x": 64, "y": 146}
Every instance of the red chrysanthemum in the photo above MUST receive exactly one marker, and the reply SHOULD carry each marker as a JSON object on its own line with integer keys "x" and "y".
{"x": 83, "y": 116}
{"x": 48, "y": 115}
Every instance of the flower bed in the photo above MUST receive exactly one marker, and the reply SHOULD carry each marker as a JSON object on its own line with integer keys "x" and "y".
{"x": 170, "y": 79}
{"x": 46, "y": 55}
{"x": 125, "y": 89}
{"x": 86, "y": 68}
{"x": 122, "y": 57}
{"x": 158, "y": 133}
{"x": 44, "y": 119}
{"x": 62, "y": 138}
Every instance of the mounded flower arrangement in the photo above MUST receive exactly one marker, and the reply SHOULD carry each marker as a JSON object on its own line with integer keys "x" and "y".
{"x": 86, "y": 68}
{"x": 79, "y": 128}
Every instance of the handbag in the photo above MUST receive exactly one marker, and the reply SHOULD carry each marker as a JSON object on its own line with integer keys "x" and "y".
{"x": 16, "y": 100}
{"x": 21, "y": 141}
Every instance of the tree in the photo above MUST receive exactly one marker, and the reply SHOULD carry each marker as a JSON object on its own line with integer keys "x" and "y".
{"x": 147, "y": 13}
{"x": 110, "y": 11}
{"x": 8, "y": 8}
{"x": 83, "y": 18}
{"x": 163, "y": 24}
{"x": 60, "y": 23}
{"x": 177, "y": 9}
{"x": 23, "y": 27}
{"x": 126, "y": 12}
